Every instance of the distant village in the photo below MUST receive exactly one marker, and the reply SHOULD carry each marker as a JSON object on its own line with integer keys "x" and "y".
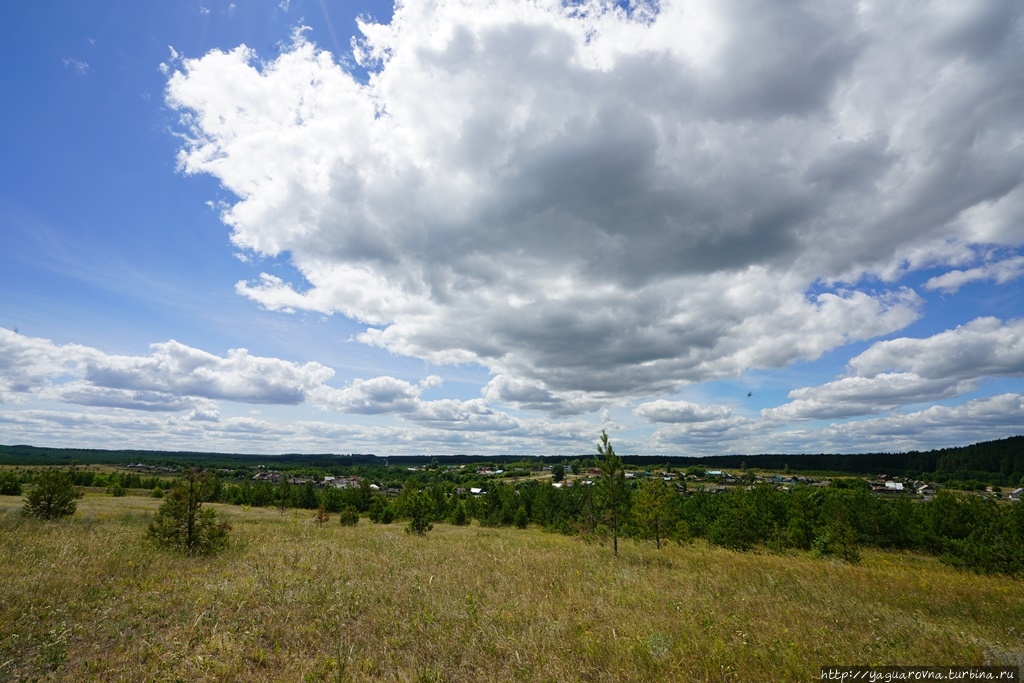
{"x": 685, "y": 483}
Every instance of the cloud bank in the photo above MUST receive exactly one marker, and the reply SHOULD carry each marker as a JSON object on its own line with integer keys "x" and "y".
{"x": 594, "y": 202}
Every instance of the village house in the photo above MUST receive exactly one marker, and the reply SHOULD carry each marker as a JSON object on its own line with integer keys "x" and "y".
{"x": 351, "y": 482}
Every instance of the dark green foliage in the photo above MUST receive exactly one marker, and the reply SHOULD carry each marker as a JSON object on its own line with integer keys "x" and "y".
{"x": 381, "y": 512}
{"x": 802, "y": 518}
{"x": 52, "y": 497}
{"x": 522, "y": 520}
{"x": 9, "y": 484}
{"x": 333, "y": 499}
{"x": 418, "y": 509}
{"x": 651, "y": 509}
{"x": 117, "y": 490}
{"x": 459, "y": 515}
{"x": 558, "y": 473}
{"x": 157, "y": 492}
{"x": 850, "y": 483}
{"x": 349, "y": 516}
{"x": 363, "y": 496}
{"x": 182, "y": 523}
{"x": 734, "y": 527}
{"x": 966, "y": 485}
{"x": 499, "y": 505}
{"x": 977, "y": 534}
{"x": 377, "y": 506}
{"x": 438, "y": 494}
{"x": 283, "y": 499}
{"x": 839, "y": 539}
{"x": 305, "y": 496}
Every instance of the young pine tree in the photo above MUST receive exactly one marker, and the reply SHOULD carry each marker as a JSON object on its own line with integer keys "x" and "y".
{"x": 52, "y": 497}
{"x": 651, "y": 509}
{"x": 349, "y": 515}
{"x": 612, "y": 491}
{"x": 182, "y": 523}
{"x": 418, "y": 508}
{"x": 459, "y": 515}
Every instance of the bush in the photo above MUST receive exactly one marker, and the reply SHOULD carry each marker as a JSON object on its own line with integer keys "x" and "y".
{"x": 837, "y": 539}
{"x": 349, "y": 516}
{"x": 459, "y": 515}
{"x": 522, "y": 520}
{"x": 116, "y": 490}
{"x": 321, "y": 517}
{"x": 183, "y": 524}
{"x": 52, "y": 497}
{"x": 9, "y": 484}
{"x": 418, "y": 509}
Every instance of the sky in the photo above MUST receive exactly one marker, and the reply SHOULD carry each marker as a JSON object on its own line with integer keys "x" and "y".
{"x": 461, "y": 226}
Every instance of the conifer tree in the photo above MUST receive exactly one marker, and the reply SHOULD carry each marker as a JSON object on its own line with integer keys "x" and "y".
{"x": 613, "y": 494}
{"x": 52, "y": 497}
{"x": 183, "y": 524}
{"x": 651, "y": 509}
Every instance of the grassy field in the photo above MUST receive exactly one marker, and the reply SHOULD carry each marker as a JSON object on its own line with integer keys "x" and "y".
{"x": 90, "y": 598}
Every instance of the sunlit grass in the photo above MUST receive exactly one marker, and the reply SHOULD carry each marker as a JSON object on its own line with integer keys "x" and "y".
{"x": 91, "y": 599}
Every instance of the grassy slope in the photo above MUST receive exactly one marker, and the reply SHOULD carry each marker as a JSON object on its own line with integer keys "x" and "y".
{"x": 90, "y": 599}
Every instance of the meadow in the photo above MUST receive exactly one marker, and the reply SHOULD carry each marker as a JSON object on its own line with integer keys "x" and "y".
{"x": 91, "y": 598}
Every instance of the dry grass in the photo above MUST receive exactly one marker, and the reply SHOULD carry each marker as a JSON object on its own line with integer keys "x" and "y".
{"x": 90, "y": 599}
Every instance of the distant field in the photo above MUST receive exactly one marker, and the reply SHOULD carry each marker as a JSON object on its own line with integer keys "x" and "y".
{"x": 90, "y": 599}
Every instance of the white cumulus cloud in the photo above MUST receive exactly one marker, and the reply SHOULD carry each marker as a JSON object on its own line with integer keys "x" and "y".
{"x": 681, "y": 411}
{"x": 584, "y": 199}
{"x": 906, "y": 370}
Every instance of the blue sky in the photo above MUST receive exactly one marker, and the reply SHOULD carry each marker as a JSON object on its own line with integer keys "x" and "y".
{"x": 471, "y": 227}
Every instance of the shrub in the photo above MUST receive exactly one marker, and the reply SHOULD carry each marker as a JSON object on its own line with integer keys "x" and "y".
{"x": 321, "y": 517}
{"x": 183, "y": 524}
{"x": 459, "y": 515}
{"x": 9, "y": 484}
{"x": 52, "y": 497}
{"x": 349, "y": 516}
{"x": 522, "y": 519}
{"x": 116, "y": 490}
{"x": 418, "y": 509}
{"x": 837, "y": 539}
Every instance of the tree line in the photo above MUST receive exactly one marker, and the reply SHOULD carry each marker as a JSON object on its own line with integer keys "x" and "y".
{"x": 998, "y": 462}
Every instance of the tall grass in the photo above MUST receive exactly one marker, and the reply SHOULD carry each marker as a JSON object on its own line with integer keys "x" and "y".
{"x": 91, "y": 599}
